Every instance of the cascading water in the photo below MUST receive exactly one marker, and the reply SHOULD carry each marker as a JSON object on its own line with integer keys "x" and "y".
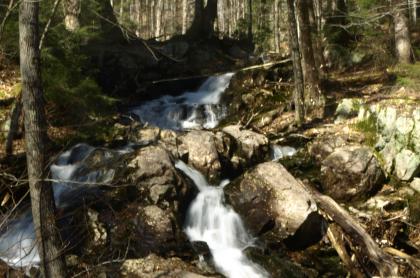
{"x": 210, "y": 220}
{"x": 190, "y": 110}
{"x": 72, "y": 177}
{"x": 279, "y": 152}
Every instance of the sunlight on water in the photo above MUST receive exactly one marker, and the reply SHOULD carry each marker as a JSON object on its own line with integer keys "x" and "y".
{"x": 190, "y": 110}
{"x": 210, "y": 220}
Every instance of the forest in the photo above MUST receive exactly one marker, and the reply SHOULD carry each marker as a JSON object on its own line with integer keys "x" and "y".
{"x": 210, "y": 138}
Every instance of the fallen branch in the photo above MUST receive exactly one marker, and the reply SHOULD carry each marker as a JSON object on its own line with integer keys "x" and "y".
{"x": 334, "y": 234}
{"x": 383, "y": 262}
{"x": 415, "y": 263}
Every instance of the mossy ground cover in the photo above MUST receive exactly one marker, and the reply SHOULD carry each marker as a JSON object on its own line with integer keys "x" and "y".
{"x": 407, "y": 75}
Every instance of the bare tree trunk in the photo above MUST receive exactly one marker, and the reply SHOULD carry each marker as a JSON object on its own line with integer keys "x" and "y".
{"x": 250, "y": 35}
{"x": 401, "y": 32}
{"x": 413, "y": 11}
{"x": 14, "y": 124}
{"x": 314, "y": 101}
{"x": 316, "y": 30}
{"x": 42, "y": 200}
{"x": 298, "y": 95}
{"x": 276, "y": 29}
{"x": 159, "y": 8}
{"x": 184, "y": 16}
{"x": 203, "y": 23}
{"x": 71, "y": 12}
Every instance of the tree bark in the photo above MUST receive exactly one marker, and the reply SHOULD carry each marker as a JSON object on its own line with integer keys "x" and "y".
{"x": 71, "y": 12}
{"x": 314, "y": 100}
{"x": 14, "y": 124}
{"x": 298, "y": 95}
{"x": 184, "y": 16}
{"x": 401, "y": 33}
{"x": 42, "y": 200}
{"x": 203, "y": 23}
{"x": 250, "y": 35}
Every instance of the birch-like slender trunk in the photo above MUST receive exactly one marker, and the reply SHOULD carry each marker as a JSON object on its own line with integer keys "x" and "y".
{"x": 298, "y": 94}
{"x": 42, "y": 199}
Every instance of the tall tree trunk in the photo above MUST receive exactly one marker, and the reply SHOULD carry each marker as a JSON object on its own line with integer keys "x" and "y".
{"x": 71, "y": 13}
{"x": 316, "y": 30}
{"x": 298, "y": 95}
{"x": 276, "y": 29}
{"x": 401, "y": 33}
{"x": 314, "y": 101}
{"x": 203, "y": 23}
{"x": 250, "y": 35}
{"x": 159, "y": 8}
{"x": 413, "y": 11}
{"x": 184, "y": 16}
{"x": 14, "y": 124}
{"x": 42, "y": 200}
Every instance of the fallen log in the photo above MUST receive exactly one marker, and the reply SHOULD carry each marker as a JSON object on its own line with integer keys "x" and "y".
{"x": 383, "y": 262}
{"x": 335, "y": 236}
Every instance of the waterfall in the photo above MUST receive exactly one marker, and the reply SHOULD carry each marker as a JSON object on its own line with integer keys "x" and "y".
{"x": 75, "y": 174}
{"x": 210, "y": 220}
{"x": 190, "y": 110}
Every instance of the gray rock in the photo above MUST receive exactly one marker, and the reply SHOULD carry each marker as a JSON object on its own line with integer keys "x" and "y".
{"x": 387, "y": 118}
{"x": 407, "y": 165}
{"x": 154, "y": 266}
{"x": 252, "y": 147}
{"x": 404, "y": 127}
{"x": 199, "y": 149}
{"x": 348, "y": 108}
{"x": 415, "y": 184}
{"x": 351, "y": 172}
{"x": 268, "y": 195}
{"x": 150, "y": 166}
{"x": 324, "y": 146}
{"x": 388, "y": 154}
{"x": 97, "y": 232}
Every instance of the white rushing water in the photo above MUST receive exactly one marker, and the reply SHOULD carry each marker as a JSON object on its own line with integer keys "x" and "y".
{"x": 190, "y": 110}
{"x": 279, "y": 152}
{"x": 210, "y": 220}
{"x": 72, "y": 178}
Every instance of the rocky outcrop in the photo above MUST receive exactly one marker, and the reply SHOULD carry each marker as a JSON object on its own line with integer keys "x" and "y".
{"x": 198, "y": 148}
{"x": 269, "y": 199}
{"x": 397, "y": 126}
{"x": 252, "y": 147}
{"x": 350, "y": 173}
{"x": 154, "y": 266}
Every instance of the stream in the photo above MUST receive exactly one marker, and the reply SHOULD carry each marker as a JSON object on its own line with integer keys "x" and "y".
{"x": 208, "y": 219}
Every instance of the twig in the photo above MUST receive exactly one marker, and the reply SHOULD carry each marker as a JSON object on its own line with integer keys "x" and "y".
{"x": 47, "y": 26}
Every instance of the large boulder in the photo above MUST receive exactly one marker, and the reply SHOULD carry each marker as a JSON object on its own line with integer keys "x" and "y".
{"x": 252, "y": 147}
{"x": 152, "y": 172}
{"x": 351, "y": 173}
{"x": 198, "y": 148}
{"x": 270, "y": 199}
{"x": 154, "y": 266}
{"x": 407, "y": 165}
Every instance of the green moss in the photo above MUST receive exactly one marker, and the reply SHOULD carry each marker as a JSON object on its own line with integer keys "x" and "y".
{"x": 408, "y": 75}
{"x": 368, "y": 127}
